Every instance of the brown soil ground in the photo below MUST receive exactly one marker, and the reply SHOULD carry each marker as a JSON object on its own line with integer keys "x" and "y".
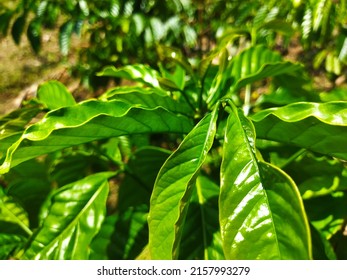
{"x": 21, "y": 70}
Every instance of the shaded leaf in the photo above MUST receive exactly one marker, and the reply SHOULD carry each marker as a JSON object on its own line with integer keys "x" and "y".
{"x": 261, "y": 212}
{"x": 173, "y": 189}
{"x": 141, "y": 172}
{"x": 122, "y": 235}
{"x": 5, "y": 19}
{"x": 13, "y": 212}
{"x": 75, "y": 215}
{"x": 18, "y": 28}
{"x": 29, "y": 185}
{"x": 34, "y": 35}
{"x": 319, "y": 127}
{"x": 327, "y": 213}
{"x": 201, "y": 238}
{"x": 9, "y": 243}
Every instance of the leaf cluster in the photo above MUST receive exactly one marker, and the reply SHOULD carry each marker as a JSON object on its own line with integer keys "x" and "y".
{"x": 233, "y": 156}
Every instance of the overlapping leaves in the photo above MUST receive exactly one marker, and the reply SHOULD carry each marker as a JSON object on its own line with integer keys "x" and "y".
{"x": 173, "y": 189}
{"x": 261, "y": 212}
{"x": 319, "y": 127}
{"x": 83, "y": 206}
{"x": 89, "y": 121}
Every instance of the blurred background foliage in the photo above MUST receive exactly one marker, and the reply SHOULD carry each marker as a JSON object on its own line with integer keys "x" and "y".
{"x": 123, "y": 32}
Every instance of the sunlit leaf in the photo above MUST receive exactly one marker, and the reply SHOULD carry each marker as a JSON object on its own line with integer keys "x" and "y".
{"x": 89, "y": 121}
{"x": 173, "y": 189}
{"x": 75, "y": 215}
{"x": 260, "y": 206}
{"x": 139, "y": 73}
{"x": 55, "y": 95}
{"x": 319, "y": 127}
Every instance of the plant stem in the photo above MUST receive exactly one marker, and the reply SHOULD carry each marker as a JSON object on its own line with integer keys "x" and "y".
{"x": 292, "y": 158}
{"x": 247, "y": 103}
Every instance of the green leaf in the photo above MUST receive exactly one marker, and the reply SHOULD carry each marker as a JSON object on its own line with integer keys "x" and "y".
{"x": 261, "y": 212}
{"x": 138, "y": 72}
{"x": 173, "y": 189}
{"x": 75, "y": 215}
{"x": 89, "y": 121}
{"x": 12, "y": 212}
{"x": 318, "y": 176}
{"x": 122, "y": 236}
{"x": 34, "y": 35}
{"x": 140, "y": 175}
{"x": 249, "y": 66}
{"x": 257, "y": 63}
{"x": 9, "y": 243}
{"x": 65, "y": 33}
{"x": 321, "y": 247}
{"x": 327, "y": 213}
{"x": 319, "y": 127}
{"x": 54, "y": 95}
{"x": 147, "y": 97}
{"x": 18, "y": 28}
{"x": 84, "y": 7}
{"x": 201, "y": 238}
{"x": 29, "y": 185}
{"x": 5, "y": 19}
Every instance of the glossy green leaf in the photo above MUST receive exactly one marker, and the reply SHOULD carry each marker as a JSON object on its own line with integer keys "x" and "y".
{"x": 89, "y": 121}
{"x": 54, "y": 95}
{"x": 319, "y": 127}
{"x": 75, "y": 214}
{"x": 201, "y": 239}
{"x": 14, "y": 123}
{"x": 147, "y": 97}
{"x": 257, "y": 63}
{"x": 251, "y": 65}
{"x": 139, "y": 73}
{"x": 261, "y": 212}
{"x": 122, "y": 235}
{"x": 173, "y": 189}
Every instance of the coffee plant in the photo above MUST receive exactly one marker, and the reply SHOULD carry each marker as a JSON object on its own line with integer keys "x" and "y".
{"x": 181, "y": 164}
{"x": 224, "y": 150}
